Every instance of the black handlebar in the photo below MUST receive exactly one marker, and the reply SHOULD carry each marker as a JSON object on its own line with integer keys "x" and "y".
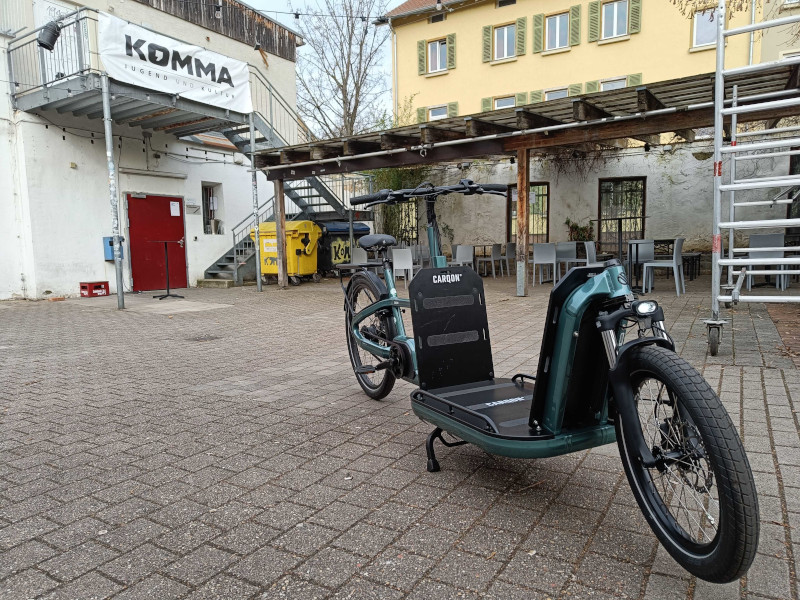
{"x": 426, "y": 190}
{"x": 367, "y": 198}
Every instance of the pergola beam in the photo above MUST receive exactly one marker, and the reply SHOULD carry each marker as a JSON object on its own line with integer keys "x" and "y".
{"x": 530, "y": 120}
{"x": 433, "y": 135}
{"x": 321, "y": 152}
{"x": 353, "y": 147}
{"x": 391, "y": 141}
{"x": 292, "y": 156}
{"x": 586, "y": 111}
{"x": 477, "y": 127}
{"x": 646, "y": 100}
{"x": 792, "y": 83}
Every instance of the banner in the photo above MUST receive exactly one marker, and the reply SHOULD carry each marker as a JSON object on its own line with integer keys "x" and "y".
{"x": 152, "y": 61}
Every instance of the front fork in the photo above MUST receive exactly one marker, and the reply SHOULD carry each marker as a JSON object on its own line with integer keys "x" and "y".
{"x": 617, "y": 353}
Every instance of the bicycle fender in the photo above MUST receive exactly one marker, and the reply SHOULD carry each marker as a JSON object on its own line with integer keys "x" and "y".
{"x": 379, "y": 285}
{"x": 620, "y": 383}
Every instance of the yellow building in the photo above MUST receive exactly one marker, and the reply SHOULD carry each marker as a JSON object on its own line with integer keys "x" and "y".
{"x": 483, "y": 55}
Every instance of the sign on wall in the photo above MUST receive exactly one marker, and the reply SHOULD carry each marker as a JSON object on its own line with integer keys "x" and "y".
{"x": 141, "y": 57}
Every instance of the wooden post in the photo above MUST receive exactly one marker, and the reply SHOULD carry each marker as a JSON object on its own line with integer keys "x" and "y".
{"x": 280, "y": 233}
{"x": 523, "y": 211}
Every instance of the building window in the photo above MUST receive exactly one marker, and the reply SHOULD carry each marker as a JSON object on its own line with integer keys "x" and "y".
{"x": 613, "y": 84}
{"x": 505, "y": 102}
{"x": 557, "y": 31}
{"x": 615, "y": 19}
{"x": 437, "y": 112}
{"x": 502, "y": 3}
{"x": 621, "y": 201}
{"x": 437, "y": 56}
{"x": 504, "y": 41}
{"x": 704, "y": 28}
{"x": 437, "y": 18}
{"x": 212, "y": 213}
{"x": 538, "y": 222}
{"x": 556, "y": 94}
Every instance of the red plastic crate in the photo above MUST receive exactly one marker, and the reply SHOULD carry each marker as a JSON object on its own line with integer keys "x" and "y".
{"x": 90, "y": 289}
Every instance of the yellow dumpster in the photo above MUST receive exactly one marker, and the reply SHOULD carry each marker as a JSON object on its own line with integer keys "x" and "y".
{"x": 301, "y": 248}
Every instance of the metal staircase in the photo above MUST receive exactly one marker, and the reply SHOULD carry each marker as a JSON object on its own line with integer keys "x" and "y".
{"x": 276, "y": 125}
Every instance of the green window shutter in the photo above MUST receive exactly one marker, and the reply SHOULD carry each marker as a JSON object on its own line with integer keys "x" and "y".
{"x": 636, "y": 16}
{"x": 487, "y": 43}
{"x": 422, "y": 114}
{"x": 594, "y": 21}
{"x": 575, "y": 25}
{"x": 537, "y": 96}
{"x": 538, "y": 33}
{"x": 634, "y": 80}
{"x": 451, "y": 51}
{"x": 575, "y": 89}
{"x": 521, "y": 99}
{"x": 592, "y": 86}
{"x": 486, "y": 104}
{"x": 522, "y": 30}
{"x": 421, "y": 66}
{"x": 452, "y": 109}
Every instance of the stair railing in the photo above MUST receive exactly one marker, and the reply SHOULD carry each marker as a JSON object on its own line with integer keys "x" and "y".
{"x": 286, "y": 125}
{"x": 243, "y": 244}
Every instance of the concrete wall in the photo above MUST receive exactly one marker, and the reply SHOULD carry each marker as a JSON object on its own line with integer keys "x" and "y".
{"x": 69, "y": 210}
{"x": 55, "y": 206}
{"x": 679, "y": 193}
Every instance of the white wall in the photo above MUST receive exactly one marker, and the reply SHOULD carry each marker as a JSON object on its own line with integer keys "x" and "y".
{"x": 54, "y": 215}
{"x": 679, "y": 193}
{"x": 70, "y": 208}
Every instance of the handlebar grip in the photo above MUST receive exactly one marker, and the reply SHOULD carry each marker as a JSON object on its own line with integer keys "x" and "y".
{"x": 494, "y": 187}
{"x": 367, "y": 198}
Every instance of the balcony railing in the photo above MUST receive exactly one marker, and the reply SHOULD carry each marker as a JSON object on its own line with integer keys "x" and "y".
{"x": 12, "y": 16}
{"x": 75, "y": 53}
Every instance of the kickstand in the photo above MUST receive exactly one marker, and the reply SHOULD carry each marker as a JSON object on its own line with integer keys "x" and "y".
{"x": 433, "y": 464}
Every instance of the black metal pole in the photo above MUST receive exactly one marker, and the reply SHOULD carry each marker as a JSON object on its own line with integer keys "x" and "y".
{"x": 166, "y": 261}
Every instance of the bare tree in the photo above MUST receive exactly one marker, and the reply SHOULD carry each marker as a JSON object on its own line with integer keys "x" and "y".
{"x": 341, "y": 86}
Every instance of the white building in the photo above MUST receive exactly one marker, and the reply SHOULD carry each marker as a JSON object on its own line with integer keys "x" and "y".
{"x": 180, "y": 73}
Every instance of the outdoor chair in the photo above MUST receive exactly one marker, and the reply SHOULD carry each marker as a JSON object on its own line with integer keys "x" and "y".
{"x": 566, "y": 253}
{"x": 360, "y": 256}
{"x": 640, "y": 252}
{"x": 591, "y": 255}
{"x": 676, "y": 264}
{"x": 424, "y": 255}
{"x": 464, "y": 256}
{"x": 403, "y": 261}
{"x": 495, "y": 256}
{"x": 510, "y": 255}
{"x": 544, "y": 255}
{"x": 767, "y": 240}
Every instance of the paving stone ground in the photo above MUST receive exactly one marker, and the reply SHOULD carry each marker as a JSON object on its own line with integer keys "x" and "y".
{"x": 220, "y": 447}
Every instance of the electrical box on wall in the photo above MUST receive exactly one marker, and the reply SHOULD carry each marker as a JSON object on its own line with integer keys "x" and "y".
{"x": 108, "y": 248}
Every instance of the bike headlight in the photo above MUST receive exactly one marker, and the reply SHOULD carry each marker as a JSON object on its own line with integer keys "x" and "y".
{"x": 645, "y": 307}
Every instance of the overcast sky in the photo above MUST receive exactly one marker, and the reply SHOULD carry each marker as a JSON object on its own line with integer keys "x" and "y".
{"x": 276, "y": 8}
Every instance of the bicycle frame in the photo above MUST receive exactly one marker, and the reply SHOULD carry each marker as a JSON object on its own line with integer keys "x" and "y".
{"x": 396, "y": 304}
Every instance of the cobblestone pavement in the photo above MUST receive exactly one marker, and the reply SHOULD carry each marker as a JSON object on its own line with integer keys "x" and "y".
{"x": 219, "y": 447}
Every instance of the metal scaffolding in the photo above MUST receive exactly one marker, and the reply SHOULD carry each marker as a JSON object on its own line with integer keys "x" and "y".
{"x": 753, "y": 258}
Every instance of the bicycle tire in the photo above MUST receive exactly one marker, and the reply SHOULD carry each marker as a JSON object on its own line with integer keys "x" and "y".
{"x": 378, "y": 387}
{"x": 701, "y": 431}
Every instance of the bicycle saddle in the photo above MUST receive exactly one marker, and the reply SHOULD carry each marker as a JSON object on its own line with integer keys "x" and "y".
{"x": 377, "y": 241}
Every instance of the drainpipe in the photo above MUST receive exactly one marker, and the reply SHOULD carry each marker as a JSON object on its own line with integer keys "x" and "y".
{"x": 112, "y": 188}
{"x": 752, "y": 33}
{"x": 394, "y": 70}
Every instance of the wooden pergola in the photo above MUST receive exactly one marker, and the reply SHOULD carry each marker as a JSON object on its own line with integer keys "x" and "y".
{"x": 587, "y": 122}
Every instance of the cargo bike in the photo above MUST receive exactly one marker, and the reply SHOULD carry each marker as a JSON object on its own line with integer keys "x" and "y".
{"x": 607, "y": 372}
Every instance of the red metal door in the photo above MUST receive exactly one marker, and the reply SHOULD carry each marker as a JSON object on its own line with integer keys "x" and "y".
{"x": 153, "y": 220}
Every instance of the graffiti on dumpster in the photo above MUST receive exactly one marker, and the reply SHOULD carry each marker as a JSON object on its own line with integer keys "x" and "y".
{"x": 271, "y": 260}
{"x": 340, "y": 251}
